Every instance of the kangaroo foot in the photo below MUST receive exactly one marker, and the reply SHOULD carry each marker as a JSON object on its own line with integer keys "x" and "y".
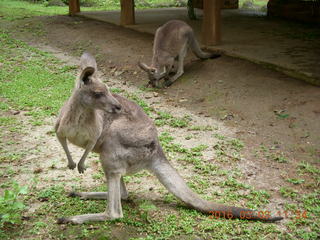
{"x": 79, "y": 219}
{"x": 81, "y": 168}
{"x": 167, "y": 83}
{"x": 72, "y": 165}
{"x": 89, "y": 195}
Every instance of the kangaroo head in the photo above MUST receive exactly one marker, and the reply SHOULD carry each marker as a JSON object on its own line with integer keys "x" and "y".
{"x": 93, "y": 93}
{"x": 154, "y": 74}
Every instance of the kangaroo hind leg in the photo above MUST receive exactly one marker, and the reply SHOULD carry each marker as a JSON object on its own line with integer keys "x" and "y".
{"x": 113, "y": 211}
{"x": 100, "y": 195}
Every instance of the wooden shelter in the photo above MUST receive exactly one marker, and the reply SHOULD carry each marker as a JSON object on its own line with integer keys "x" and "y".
{"x": 211, "y": 34}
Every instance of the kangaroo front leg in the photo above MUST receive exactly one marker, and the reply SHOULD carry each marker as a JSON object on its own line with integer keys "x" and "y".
{"x": 100, "y": 195}
{"x": 63, "y": 142}
{"x": 81, "y": 166}
{"x": 114, "y": 196}
{"x": 175, "y": 65}
{"x": 180, "y": 70}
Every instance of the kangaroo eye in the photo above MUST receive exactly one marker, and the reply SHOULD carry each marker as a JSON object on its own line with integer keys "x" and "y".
{"x": 97, "y": 94}
{"x": 152, "y": 71}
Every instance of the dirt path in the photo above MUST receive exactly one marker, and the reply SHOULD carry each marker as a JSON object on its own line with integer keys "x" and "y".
{"x": 277, "y": 118}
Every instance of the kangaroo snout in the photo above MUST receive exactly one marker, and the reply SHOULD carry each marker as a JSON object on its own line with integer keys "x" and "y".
{"x": 116, "y": 108}
{"x": 115, "y": 105}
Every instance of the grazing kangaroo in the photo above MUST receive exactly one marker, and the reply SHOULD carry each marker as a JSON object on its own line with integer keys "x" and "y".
{"x": 170, "y": 47}
{"x": 127, "y": 141}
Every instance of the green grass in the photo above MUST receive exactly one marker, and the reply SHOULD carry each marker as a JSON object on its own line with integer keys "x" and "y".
{"x": 31, "y": 80}
{"x": 258, "y": 3}
{"x": 140, "y": 4}
{"x": 165, "y": 118}
{"x": 14, "y": 10}
{"x": 145, "y": 217}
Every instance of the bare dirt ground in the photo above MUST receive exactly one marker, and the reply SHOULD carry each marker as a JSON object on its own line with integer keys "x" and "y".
{"x": 261, "y": 107}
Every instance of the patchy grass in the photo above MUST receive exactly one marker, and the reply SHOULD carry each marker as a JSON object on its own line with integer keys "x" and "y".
{"x": 52, "y": 82}
{"x": 228, "y": 149}
{"x": 12, "y": 10}
{"x": 32, "y": 81}
{"x": 15, "y": 10}
{"x": 140, "y": 4}
{"x": 252, "y": 4}
{"x": 11, "y": 207}
{"x": 165, "y": 118}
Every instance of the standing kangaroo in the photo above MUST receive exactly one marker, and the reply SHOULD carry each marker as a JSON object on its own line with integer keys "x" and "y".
{"x": 127, "y": 141}
{"x": 170, "y": 47}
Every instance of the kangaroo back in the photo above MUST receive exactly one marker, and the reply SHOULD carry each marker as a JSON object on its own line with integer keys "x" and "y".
{"x": 195, "y": 47}
{"x": 169, "y": 177}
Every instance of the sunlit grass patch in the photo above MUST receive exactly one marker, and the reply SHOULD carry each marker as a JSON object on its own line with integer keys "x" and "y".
{"x": 31, "y": 80}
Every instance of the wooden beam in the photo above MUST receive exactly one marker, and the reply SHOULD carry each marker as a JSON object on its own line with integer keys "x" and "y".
{"x": 74, "y": 7}
{"x": 127, "y": 12}
{"x": 211, "y": 34}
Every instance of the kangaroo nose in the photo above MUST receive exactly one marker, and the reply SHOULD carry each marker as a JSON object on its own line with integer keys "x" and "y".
{"x": 117, "y": 108}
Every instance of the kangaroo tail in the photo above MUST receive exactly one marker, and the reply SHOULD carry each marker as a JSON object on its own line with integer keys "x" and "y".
{"x": 169, "y": 177}
{"x": 195, "y": 47}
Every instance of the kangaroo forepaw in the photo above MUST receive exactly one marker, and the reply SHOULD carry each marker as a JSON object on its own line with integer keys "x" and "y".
{"x": 149, "y": 84}
{"x": 215, "y": 55}
{"x": 77, "y": 194}
{"x": 167, "y": 83}
{"x": 72, "y": 165}
{"x": 62, "y": 220}
{"x": 73, "y": 194}
{"x": 81, "y": 168}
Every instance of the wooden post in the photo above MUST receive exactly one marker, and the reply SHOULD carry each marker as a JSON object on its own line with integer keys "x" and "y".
{"x": 127, "y": 12}
{"x": 211, "y": 34}
{"x": 74, "y": 7}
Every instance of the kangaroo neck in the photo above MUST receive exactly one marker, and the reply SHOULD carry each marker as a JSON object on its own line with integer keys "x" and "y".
{"x": 159, "y": 59}
{"x": 78, "y": 113}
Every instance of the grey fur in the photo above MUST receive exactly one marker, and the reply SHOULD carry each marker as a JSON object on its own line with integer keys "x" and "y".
{"x": 127, "y": 141}
{"x": 170, "y": 47}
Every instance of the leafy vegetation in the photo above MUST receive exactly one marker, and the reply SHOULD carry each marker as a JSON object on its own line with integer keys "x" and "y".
{"x": 11, "y": 205}
{"x": 165, "y": 118}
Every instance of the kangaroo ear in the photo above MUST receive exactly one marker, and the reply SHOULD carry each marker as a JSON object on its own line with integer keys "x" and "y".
{"x": 87, "y": 60}
{"x": 86, "y": 73}
{"x": 144, "y": 66}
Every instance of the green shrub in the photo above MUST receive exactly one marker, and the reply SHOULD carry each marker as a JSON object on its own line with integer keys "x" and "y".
{"x": 10, "y": 205}
{"x": 55, "y": 3}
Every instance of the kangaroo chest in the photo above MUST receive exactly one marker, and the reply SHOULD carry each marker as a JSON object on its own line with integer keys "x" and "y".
{"x": 82, "y": 132}
{"x": 78, "y": 136}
